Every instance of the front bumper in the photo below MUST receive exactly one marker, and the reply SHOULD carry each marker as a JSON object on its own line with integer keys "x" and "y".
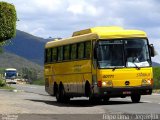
{"x": 123, "y": 92}
{"x": 10, "y": 81}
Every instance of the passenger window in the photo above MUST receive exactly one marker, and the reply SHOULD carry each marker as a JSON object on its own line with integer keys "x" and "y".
{"x": 87, "y": 49}
{"x": 73, "y": 51}
{"x": 45, "y": 54}
{"x": 60, "y": 53}
{"x": 80, "y": 50}
{"x": 54, "y": 54}
{"x": 49, "y": 55}
{"x": 66, "y": 52}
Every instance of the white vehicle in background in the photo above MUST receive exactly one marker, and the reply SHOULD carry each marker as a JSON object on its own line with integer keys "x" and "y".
{"x": 11, "y": 75}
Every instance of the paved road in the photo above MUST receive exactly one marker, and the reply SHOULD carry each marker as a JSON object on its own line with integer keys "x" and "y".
{"x": 33, "y": 100}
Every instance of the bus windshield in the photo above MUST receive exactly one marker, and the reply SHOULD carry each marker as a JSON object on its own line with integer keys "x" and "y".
{"x": 123, "y": 53}
{"x": 11, "y": 74}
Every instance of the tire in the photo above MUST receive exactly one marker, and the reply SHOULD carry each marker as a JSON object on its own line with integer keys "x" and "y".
{"x": 55, "y": 89}
{"x": 87, "y": 89}
{"x": 135, "y": 98}
{"x": 60, "y": 95}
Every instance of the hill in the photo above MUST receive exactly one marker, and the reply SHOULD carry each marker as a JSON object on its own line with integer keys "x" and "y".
{"x": 155, "y": 64}
{"x": 27, "y": 46}
{"x": 11, "y": 60}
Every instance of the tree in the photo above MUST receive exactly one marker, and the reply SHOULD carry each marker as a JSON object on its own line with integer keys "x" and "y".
{"x": 29, "y": 73}
{"x": 8, "y": 20}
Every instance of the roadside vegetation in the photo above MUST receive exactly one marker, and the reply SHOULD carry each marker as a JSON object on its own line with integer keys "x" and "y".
{"x": 39, "y": 82}
{"x": 156, "y": 77}
{"x": 3, "y": 85}
{"x": 30, "y": 75}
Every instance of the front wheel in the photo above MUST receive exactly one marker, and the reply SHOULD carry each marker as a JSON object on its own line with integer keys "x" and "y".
{"x": 135, "y": 98}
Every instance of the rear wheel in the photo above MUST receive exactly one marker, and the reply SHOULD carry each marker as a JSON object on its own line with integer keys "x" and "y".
{"x": 58, "y": 96}
{"x": 87, "y": 89}
{"x": 135, "y": 98}
{"x": 61, "y": 96}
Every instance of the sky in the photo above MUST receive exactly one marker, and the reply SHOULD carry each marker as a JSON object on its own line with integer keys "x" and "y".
{"x": 60, "y": 18}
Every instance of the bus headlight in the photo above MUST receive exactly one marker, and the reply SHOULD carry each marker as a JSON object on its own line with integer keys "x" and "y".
{"x": 146, "y": 82}
{"x": 107, "y": 83}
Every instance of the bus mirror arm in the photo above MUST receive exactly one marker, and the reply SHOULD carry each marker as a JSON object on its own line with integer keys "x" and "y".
{"x": 152, "y": 50}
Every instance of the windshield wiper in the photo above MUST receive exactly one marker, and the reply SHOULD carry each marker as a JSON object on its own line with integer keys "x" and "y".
{"x": 136, "y": 66}
{"x": 117, "y": 67}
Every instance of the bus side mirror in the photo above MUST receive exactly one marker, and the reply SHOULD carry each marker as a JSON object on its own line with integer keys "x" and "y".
{"x": 152, "y": 50}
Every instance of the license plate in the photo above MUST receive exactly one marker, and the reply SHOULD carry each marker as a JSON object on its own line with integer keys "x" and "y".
{"x": 126, "y": 92}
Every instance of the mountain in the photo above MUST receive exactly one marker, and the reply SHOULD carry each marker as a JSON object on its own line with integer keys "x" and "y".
{"x": 27, "y": 46}
{"x": 155, "y": 64}
{"x": 9, "y": 60}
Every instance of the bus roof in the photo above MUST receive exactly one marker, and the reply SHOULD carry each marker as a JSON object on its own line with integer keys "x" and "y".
{"x": 10, "y": 69}
{"x": 111, "y": 32}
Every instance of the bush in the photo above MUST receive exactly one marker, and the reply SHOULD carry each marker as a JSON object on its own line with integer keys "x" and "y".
{"x": 2, "y": 83}
{"x": 8, "y": 20}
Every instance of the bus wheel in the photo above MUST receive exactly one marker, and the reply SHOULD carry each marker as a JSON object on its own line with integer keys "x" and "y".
{"x": 55, "y": 89}
{"x": 87, "y": 89}
{"x": 63, "y": 97}
{"x": 58, "y": 96}
{"x": 135, "y": 98}
{"x": 59, "y": 93}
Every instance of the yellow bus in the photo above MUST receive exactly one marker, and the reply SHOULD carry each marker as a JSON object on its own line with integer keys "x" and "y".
{"x": 99, "y": 63}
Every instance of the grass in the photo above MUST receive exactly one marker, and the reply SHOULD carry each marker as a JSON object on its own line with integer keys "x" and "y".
{"x": 156, "y": 91}
{"x": 38, "y": 82}
{"x": 7, "y": 87}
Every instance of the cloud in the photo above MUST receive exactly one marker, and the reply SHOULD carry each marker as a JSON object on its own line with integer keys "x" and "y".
{"x": 66, "y": 16}
{"x": 83, "y": 8}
